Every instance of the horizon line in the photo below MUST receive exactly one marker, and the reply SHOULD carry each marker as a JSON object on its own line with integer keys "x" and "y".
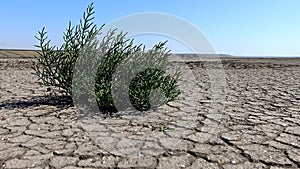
{"x": 178, "y": 53}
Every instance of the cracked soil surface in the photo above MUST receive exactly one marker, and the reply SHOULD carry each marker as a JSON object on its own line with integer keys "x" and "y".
{"x": 257, "y": 124}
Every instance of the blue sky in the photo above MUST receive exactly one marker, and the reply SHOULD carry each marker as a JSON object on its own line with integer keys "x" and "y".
{"x": 238, "y": 27}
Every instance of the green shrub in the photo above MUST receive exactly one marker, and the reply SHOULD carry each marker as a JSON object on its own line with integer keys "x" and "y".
{"x": 55, "y": 64}
{"x": 135, "y": 74}
{"x": 126, "y": 72}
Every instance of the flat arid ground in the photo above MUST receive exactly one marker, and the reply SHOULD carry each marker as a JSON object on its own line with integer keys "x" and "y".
{"x": 233, "y": 113}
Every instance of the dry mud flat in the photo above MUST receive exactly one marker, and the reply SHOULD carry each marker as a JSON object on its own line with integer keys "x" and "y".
{"x": 256, "y": 125}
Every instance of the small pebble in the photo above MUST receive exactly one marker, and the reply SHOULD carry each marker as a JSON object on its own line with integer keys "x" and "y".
{"x": 92, "y": 160}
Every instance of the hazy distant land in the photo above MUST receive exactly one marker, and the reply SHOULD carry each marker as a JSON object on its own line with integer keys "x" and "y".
{"x": 13, "y": 58}
{"x": 28, "y": 54}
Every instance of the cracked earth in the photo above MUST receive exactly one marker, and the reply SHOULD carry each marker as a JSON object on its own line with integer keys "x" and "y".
{"x": 255, "y": 124}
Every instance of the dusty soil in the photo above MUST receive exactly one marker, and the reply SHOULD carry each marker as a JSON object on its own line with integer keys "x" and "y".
{"x": 250, "y": 120}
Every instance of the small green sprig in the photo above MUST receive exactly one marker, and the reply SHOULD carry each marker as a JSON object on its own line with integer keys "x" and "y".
{"x": 163, "y": 129}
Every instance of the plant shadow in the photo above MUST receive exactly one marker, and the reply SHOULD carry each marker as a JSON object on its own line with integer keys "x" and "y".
{"x": 57, "y": 101}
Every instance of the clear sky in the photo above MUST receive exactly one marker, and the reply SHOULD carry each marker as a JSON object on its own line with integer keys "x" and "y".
{"x": 238, "y": 27}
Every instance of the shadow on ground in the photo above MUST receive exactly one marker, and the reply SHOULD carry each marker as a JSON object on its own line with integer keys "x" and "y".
{"x": 57, "y": 101}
